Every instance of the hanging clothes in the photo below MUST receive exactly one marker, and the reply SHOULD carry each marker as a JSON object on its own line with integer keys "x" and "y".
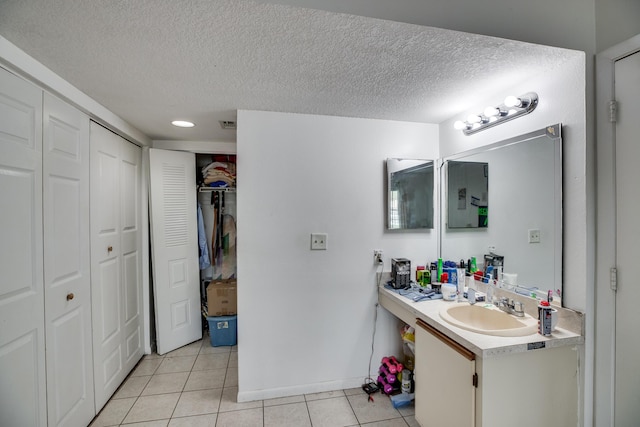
{"x": 202, "y": 242}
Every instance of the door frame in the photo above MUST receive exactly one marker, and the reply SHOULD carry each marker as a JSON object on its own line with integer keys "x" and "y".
{"x": 605, "y": 299}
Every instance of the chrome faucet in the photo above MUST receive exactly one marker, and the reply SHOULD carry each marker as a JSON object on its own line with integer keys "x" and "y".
{"x": 511, "y": 307}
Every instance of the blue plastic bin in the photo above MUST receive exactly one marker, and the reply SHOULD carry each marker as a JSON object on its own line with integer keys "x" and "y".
{"x": 223, "y": 330}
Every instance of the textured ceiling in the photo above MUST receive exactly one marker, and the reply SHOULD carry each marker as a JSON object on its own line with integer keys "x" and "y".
{"x": 152, "y": 61}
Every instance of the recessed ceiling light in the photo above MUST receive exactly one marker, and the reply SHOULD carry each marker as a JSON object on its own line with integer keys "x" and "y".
{"x": 182, "y": 124}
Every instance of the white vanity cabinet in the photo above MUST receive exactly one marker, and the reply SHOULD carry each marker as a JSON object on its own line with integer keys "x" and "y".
{"x": 456, "y": 388}
{"x": 521, "y": 381}
{"x": 445, "y": 378}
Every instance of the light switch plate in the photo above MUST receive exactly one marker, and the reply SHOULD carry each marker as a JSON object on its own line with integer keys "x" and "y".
{"x": 318, "y": 241}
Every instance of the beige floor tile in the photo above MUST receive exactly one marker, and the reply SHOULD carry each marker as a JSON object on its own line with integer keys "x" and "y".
{"x": 202, "y": 380}
{"x": 146, "y": 367}
{"x": 352, "y": 391}
{"x": 242, "y": 418}
{"x": 379, "y": 410}
{"x": 406, "y": 411}
{"x": 188, "y": 350}
{"x": 291, "y": 415}
{"x": 208, "y": 420}
{"x": 233, "y": 360}
{"x": 166, "y": 383}
{"x": 396, "y": 422}
{"x": 176, "y": 364}
{"x": 231, "y": 380}
{"x": 156, "y": 423}
{"x": 198, "y": 402}
{"x": 132, "y": 387}
{"x": 229, "y": 401}
{"x": 411, "y": 421}
{"x": 153, "y": 356}
{"x": 151, "y": 408}
{"x": 207, "y": 348}
{"x": 211, "y": 361}
{"x": 331, "y": 412}
{"x": 113, "y": 412}
{"x": 284, "y": 400}
{"x": 324, "y": 395}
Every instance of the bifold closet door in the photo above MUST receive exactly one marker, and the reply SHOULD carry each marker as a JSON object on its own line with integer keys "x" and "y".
{"x": 116, "y": 247}
{"x": 174, "y": 238}
{"x": 67, "y": 281}
{"x": 22, "y": 334}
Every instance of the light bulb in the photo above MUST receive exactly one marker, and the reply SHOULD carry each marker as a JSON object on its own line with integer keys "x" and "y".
{"x": 491, "y": 111}
{"x": 512, "y": 101}
{"x": 182, "y": 124}
{"x": 459, "y": 125}
{"x": 474, "y": 118}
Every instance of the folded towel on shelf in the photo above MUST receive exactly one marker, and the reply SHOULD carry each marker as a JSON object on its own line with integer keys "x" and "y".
{"x": 219, "y": 172}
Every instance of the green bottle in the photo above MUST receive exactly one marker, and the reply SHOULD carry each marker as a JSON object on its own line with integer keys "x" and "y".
{"x": 439, "y": 269}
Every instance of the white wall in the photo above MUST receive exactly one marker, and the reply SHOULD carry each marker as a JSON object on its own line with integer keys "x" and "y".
{"x": 306, "y": 317}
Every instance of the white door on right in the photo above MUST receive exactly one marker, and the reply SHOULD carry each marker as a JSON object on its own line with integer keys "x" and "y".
{"x": 627, "y": 173}
{"x": 174, "y": 243}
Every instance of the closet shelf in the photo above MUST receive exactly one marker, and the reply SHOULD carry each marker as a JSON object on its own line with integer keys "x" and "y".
{"x": 205, "y": 189}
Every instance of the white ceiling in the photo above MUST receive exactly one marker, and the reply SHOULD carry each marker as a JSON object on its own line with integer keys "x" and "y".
{"x": 152, "y": 61}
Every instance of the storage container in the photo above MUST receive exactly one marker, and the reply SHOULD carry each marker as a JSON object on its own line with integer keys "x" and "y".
{"x": 223, "y": 330}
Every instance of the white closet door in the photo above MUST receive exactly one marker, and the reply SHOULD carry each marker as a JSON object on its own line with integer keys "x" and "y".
{"x": 115, "y": 259}
{"x": 176, "y": 273}
{"x": 22, "y": 352}
{"x": 67, "y": 279}
{"x": 131, "y": 251}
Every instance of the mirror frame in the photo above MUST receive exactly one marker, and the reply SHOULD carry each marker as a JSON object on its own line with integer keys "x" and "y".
{"x": 425, "y": 163}
{"x": 554, "y": 133}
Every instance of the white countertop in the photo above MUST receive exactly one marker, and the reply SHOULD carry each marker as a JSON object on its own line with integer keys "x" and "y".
{"x": 484, "y": 346}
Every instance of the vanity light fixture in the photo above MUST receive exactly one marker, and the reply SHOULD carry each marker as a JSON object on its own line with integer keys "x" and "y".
{"x": 513, "y": 106}
{"x": 182, "y": 124}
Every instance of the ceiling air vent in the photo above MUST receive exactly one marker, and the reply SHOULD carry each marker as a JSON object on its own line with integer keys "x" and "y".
{"x": 227, "y": 124}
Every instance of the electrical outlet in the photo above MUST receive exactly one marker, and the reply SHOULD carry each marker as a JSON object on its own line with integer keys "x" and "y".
{"x": 377, "y": 256}
{"x": 534, "y": 236}
{"x": 319, "y": 241}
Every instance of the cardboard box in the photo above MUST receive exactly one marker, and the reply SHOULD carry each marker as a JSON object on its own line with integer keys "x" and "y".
{"x": 222, "y": 298}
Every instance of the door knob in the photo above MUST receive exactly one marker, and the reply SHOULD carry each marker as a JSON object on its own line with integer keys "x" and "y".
{"x": 109, "y": 248}
{"x": 70, "y": 296}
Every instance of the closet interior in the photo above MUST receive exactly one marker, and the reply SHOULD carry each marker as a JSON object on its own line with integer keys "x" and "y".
{"x": 216, "y": 183}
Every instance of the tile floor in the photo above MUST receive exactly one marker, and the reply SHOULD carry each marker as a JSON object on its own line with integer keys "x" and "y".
{"x": 196, "y": 386}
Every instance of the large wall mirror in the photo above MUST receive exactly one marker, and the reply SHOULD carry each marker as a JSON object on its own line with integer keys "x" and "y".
{"x": 410, "y": 200}
{"x": 524, "y": 200}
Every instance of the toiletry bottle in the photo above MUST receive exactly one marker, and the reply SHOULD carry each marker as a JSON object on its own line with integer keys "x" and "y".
{"x": 474, "y": 266}
{"x": 420, "y": 275}
{"x": 434, "y": 273}
{"x": 461, "y": 284}
{"x": 439, "y": 277}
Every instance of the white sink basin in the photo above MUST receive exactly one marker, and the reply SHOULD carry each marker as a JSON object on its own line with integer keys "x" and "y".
{"x": 488, "y": 320}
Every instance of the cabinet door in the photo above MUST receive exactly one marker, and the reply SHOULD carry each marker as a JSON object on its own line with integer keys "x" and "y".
{"x": 444, "y": 376}
{"x": 22, "y": 365}
{"x": 67, "y": 279}
{"x": 174, "y": 238}
{"x": 115, "y": 259}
